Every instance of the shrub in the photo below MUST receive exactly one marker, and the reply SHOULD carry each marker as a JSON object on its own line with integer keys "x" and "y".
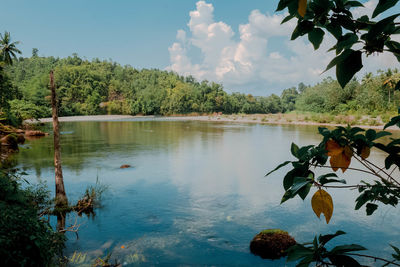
{"x": 25, "y": 239}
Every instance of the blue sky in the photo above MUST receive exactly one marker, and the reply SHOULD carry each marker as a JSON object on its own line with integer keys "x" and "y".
{"x": 248, "y": 50}
{"x": 130, "y": 32}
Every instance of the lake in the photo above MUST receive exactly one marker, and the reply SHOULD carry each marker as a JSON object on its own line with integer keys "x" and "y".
{"x": 195, "y": 194}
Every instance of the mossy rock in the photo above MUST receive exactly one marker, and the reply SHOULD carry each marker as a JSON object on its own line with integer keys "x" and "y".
{"x": 271, "y": 243}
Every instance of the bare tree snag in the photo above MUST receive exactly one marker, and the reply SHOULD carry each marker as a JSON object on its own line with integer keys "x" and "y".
{"x": 61, "y": 197}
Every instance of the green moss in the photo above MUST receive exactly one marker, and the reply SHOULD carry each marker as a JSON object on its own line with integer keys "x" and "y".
{"x": 273, "y": 231}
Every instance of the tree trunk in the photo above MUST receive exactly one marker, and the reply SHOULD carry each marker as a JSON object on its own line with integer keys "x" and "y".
{"x": 61, "y": 197}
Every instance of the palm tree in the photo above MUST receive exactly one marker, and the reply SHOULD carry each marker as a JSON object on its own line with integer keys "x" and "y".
{"x": 8, "y": 49}
{"x": 390, "y": 82}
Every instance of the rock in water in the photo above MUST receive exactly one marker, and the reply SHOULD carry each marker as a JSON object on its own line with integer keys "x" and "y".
{"x": 271, "y": 243}
{"x": 10, "y": 140}
{"x": 125, "y": 166}
{"x": 20, "y": 139}
{"x": 35, "y": 133}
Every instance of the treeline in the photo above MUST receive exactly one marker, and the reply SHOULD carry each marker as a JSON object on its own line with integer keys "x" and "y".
{"x": 105, "y": 87}
{"x": 373, "y": 94}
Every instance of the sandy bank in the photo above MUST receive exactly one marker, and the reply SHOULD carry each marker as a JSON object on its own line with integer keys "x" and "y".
{"x": 278, "y": 119}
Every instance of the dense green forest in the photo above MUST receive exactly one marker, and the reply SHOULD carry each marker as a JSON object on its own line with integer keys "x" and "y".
{"x": 105, "y": 87}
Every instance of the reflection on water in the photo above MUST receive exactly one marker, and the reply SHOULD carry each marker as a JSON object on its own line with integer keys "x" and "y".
{"x": 196, "y": 192}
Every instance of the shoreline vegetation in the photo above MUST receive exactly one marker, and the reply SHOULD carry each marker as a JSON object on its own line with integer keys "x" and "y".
{"x": 365, "y": 121}
{"x": 99, "y": 87}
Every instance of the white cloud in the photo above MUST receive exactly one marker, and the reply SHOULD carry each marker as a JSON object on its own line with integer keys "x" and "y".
{"x": 251, "y": 64}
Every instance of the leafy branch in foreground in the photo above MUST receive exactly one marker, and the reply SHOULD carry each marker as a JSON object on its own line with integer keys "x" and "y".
{"x": 342, "y": 146}
{"x": 354, "y": 36}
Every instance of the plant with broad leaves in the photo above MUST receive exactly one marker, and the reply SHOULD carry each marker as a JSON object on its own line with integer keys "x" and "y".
{"x": 341, "y": 146}
{"x": 336, "y": 151}
{"x": 354, "y": 36}
{"x": 341, "y": 255}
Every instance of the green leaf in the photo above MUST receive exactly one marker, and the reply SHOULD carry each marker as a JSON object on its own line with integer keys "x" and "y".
{"x": 361, "y": 200}
{"x": 345, "y": 42}
{"x": 371, "y": 208}
{"x": 393, "y": 121}
{"x": 323, "y": 131}
{"x": 350, "y": 65}
{"x": 382, "y": 134}
{"x": 397, "y": 250}
{"x": 283, "y": 4}
{"x": 315, "y": 37}
{"x": 288, "y": 179}
{"x": 340, "y": 58}
{"x": 303, "y": 27}
{"x": 353, "y": 4}
{"x": 394, "y": 47}
{"x": 288, "y": 195}
{"x": 299, "y": 183}
{"x": 380, "y": 27}
{"x": 334, "y": 29}
{"x": 346, "y": 248}
{"x": 298, "y": 252}
{"x": 382, "y": 6}
{"x": 287, "y": 18}
{"x": 370, "y": 134}
{"x": 278, "y": 167}
{"x": 295, "y": 150}
{"x": 323, "y": 179}
{"x": 303, "y": 192}
{"x": 323, "y": 239}
{"x": 355, "y": 130}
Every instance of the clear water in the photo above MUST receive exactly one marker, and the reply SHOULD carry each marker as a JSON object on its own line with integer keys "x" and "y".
{"x": 195, "y": 194}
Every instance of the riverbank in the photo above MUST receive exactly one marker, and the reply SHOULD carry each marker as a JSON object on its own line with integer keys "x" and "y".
{"x": 281, "y": 119}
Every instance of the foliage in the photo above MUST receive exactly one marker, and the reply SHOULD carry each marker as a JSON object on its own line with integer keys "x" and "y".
{"x": 23, "y": 110}
{"x": 354, "y": 36}
{"x": 342, "y": 145}
{"x": 318, "y": 253}
{"x": 25, "y": 239}
{"x": 98, "y": 87}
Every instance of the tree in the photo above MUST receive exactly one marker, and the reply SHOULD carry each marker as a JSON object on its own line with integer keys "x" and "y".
{"x": 343, "y": 144}
{"x": 61, "y": 196}
{"x": 8, "y": 49}
{"x": 35, "y": 52}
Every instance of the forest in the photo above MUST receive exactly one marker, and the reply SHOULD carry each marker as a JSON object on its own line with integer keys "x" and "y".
{"x": 106, "y": 87}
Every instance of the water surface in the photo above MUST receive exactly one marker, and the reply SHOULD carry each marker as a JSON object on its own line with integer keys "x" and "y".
{"x": 195, "y": 194}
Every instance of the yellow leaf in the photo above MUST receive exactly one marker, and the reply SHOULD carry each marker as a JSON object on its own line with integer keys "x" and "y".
{"x": 321, "y": 202}
{"x": 302, "y": 7}
{"x": 333, "y": 148}
{"x": 365, "y": 152}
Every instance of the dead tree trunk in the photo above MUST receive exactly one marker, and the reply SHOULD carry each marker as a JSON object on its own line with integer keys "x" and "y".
{"x": 61, "y": 196}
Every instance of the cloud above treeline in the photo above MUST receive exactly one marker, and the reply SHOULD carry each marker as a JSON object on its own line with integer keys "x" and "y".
{"x": 248, "y": 62}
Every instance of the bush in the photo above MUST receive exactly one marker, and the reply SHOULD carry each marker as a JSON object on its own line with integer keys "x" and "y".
{"x": 25, "y": 239}
{"x": 23, "y": 110}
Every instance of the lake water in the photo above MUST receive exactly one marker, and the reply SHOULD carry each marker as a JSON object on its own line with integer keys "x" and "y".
{"x": 195, "y": 194}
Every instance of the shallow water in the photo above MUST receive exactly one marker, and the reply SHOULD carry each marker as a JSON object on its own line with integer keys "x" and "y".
{"x": 195, "y": 194}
